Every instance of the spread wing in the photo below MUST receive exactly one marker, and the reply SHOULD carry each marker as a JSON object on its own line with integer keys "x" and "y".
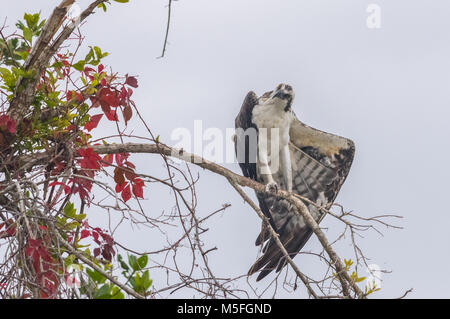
{"x": 246, "y": 138}
{"x": 320, "y": 164}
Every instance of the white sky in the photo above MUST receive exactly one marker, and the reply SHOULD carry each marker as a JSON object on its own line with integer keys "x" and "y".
{"x": 387, "y": 89}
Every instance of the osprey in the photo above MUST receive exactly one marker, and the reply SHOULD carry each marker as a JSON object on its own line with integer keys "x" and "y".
{"x": 274, "y": 148}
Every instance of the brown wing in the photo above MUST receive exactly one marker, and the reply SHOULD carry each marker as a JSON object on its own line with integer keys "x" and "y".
{"x": 246, "y": 137}
{"x": 320, "y": 164}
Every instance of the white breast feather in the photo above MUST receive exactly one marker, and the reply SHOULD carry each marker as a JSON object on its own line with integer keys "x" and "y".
{"x": 270, "y": 116}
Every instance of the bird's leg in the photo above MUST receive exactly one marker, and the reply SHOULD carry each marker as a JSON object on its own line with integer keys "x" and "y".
{"x": 286, "y": 166}
{"x": 271, "y": 185}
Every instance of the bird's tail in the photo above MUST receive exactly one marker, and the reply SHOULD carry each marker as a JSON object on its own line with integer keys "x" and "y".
{"x": 273, "y": 258}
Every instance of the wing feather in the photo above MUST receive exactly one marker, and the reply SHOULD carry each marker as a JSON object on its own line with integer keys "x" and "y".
{"x": 320, "y": 164}
{"x": 244, "y": 148}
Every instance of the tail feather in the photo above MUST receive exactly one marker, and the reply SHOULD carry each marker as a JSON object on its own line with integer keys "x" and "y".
{"x": 272, "y": 255}
{"x": 273, "y": 258}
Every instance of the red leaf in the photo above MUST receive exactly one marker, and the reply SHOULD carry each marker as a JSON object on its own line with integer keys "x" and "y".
{"x": 109, "y": 240}
{"x": 121, "y": 157}
{"x": 66, "y": 188}
{"x": 110, "y": 97}
{"x": 130, "y": 175}
{"x": 11, "y": 230}
{"x": 88, "y": 70}
{"x": 69, "y": 96}
{"x": 138, "y": 190}
{"x": 123, "y": 93}
{"x": 79, "y": 97}
{"x": 105, "y": 107}
{"x": 11, "y": 127}
{"x": 84, "y": 233}
{"x": 120, "y": 187}
{"x": 95, "y": 101}
{"x": 132, "y": 81}
{"x": 139, "y": 182}
{"x": 7, "y": 123}
{"x": 112, "y": 115}
{"x": 90, "y": 160}
{"x": 126, "y": 193}
{"x": 95, "y": 235}
{"x": 130, "y": 165}
{"x": 58, "y": 168}
{"x": 127, "y": 113}
{"x": 93, "y": 122}
{"x": 108, "y": 159}
{"x": 107, "y": 253}
{"x": 118, "y": 176}
{"x": 100, "y": 68}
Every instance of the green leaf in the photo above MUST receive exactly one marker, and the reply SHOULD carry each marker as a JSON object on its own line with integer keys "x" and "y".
{"x": 28, "y": 35}
{"x": 69, "y": 260}
{"x": 136, "y": 282}
{"x": 31, "y": 20}
{"x": 5, "y": 72}
{"x": 79, "y": 66}
{"x": 13, "y": 43}
{"x": 122, "y": 263}
{"x": 95, "y": 276}
{"x": 90, "y": 56}
{"x": 102, "y": 5}
{"x": 103, "y": 293}
{"x": 79, "y": 217}
{"x": 99, "y": 53}
{"x": 146, "y": 281}
{"x": 142, "y": 261}
{"x": 141, "y": 283}
{"x": 22, "y": 54}
{"x": 72, "y": 225}
{"x": 69, "y": 210}
{"x": 122, "y": 1}
{"x": 360, "y": 279}
{"x": 116, "y": 293}
{"x": 132, "y": 260}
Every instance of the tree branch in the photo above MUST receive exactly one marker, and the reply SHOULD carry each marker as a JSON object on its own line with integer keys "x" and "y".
{"x": 41, "y": 54}
{"x": 242, "y": 181}
{"x": 275, "y": 236}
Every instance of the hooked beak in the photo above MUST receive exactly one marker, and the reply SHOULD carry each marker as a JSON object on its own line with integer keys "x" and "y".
{"x": 279, "y": 94}
{"x": 274, "y": 95}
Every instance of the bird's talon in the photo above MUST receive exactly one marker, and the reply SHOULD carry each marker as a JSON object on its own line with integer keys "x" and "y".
{"x": 272, "y": 188}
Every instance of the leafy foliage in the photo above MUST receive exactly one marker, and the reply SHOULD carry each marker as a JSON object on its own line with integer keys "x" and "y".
{"x": 72, "y": 98}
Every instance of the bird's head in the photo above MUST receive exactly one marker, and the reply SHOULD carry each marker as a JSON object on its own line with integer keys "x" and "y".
{"x": 283, "y": 95}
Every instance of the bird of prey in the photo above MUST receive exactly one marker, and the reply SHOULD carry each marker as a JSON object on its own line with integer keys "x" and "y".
{"x": 275, "y": 148}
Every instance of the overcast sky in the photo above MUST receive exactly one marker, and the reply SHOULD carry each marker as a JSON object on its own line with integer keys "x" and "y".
{"x": 387, "y": 89}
